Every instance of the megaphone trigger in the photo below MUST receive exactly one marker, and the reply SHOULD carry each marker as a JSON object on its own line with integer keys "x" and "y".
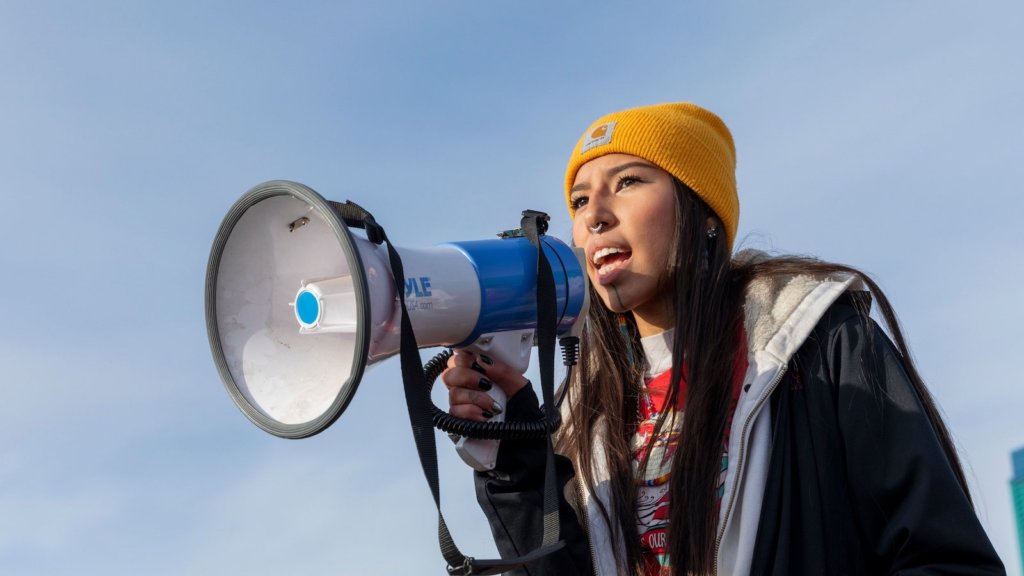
{"x": 512, "y": 347}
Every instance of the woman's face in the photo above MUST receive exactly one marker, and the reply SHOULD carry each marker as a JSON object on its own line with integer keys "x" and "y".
{"x": 631, "y": 204}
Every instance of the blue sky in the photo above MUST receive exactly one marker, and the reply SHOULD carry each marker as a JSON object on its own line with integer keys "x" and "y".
{"x": 887, "y": 135}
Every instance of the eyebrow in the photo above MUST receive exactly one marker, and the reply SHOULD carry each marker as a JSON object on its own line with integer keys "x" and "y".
{"x": 584, "y": 186}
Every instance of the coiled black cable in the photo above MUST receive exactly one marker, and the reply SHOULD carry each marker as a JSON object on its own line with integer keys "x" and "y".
{"x": 521, "y": 430}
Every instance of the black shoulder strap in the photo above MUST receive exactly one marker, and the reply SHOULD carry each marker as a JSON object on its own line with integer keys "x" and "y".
{"x": 417, "y": 393}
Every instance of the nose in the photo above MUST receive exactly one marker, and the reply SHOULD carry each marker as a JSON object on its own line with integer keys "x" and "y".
{"x": 599, "y": 216}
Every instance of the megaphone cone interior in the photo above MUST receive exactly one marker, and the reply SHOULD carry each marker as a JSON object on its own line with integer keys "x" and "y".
{"x": 274, "y": 241}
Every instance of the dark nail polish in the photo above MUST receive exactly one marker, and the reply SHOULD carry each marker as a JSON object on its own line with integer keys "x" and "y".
{"x": 478, "y": 368}
{"x": 488, "y": 415}
{"x": 496, "y": 407}
{"x": 486, "y": 360}
{"x": 485, "y": 384}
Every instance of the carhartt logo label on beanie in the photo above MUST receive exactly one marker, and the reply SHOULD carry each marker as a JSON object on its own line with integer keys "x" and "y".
{"x": 599, "y": 136}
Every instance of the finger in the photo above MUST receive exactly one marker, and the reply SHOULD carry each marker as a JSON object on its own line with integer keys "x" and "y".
{"x": 509, "y": 378}
{"x": 462, "y": 359}
{"x": 457, "y": 357}
{"x": 466, "y": 378}
{"x": 470, "y": 412}
{"x": 473, "y": 361}
{"x": 482, "y": 400}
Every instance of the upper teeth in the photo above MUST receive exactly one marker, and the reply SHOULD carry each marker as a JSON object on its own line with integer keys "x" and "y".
{"x": 600, "y": 254}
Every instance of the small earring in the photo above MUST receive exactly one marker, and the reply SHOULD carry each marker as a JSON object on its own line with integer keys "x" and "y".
{"x": 712, "y": 235}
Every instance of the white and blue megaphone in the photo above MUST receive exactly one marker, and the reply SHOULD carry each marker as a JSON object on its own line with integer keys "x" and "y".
{"x": 298, "y": 305}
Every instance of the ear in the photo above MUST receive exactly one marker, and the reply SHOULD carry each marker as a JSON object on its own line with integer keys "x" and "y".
{"x": 713, "y": 223}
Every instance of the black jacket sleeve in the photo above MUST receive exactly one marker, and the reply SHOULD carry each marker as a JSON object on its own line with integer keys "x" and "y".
{"x": 910, "y": 509}
{"x": 858, "y": 481}
{"x": 512, "y": 497}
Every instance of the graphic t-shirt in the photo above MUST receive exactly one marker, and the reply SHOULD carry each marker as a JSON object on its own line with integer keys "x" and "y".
{"x": 652, "y": 506}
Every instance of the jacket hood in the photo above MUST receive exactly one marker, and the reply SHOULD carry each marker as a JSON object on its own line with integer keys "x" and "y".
{"x": 780, "y": 311}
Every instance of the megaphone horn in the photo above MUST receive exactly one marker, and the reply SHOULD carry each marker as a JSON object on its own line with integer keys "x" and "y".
{"x": 298, "y": 304}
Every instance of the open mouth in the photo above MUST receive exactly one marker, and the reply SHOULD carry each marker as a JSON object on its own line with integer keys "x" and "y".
{"x": 607, "y": 260}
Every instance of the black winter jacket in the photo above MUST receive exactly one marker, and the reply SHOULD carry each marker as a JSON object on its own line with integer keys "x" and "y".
{"x": 857, "y": 482}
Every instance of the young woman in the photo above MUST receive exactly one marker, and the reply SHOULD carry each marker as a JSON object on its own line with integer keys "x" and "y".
{"x": 730, "y": 414}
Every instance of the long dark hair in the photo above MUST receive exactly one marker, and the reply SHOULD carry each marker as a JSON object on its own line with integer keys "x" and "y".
{"x": 708, "y": 290}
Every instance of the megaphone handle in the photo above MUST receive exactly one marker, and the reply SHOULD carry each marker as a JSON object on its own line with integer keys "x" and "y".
{"x": 480, "y": 454}
{"x": 512, "y": 347}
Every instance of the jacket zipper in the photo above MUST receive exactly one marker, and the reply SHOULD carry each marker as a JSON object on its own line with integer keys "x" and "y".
{"x": 732, "y": 496}
{"x": 739, "y": 459}
{"x": 586, "y": 521}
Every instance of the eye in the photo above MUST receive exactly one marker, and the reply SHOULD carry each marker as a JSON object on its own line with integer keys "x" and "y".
{"x": 627, "y": 180}
{"x": 579, "y": 202}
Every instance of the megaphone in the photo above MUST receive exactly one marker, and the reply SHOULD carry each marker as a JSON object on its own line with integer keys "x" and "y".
{"x": 298, "y": 304}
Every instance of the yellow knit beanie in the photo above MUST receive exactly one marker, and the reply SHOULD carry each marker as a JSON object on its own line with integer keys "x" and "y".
{"x": 685, "y": 140}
